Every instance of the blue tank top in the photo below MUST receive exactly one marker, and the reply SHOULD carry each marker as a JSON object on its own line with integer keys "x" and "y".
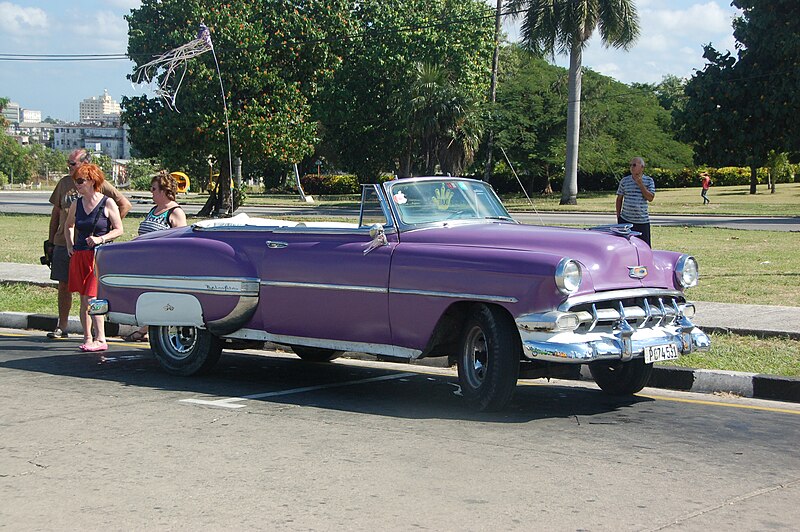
{"x": 155, "y": 222}
{"x": 87, "y": 224}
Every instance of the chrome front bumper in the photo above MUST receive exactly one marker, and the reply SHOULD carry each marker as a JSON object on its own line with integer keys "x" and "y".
{"x": 585, "y": 348}
{"x": 611, "y": 326}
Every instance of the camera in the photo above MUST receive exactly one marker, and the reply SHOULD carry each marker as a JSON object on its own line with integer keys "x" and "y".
{"x": 47, "y": 258}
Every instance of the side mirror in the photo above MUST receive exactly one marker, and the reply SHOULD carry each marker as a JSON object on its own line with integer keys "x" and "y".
{"x": 375, "y": 230}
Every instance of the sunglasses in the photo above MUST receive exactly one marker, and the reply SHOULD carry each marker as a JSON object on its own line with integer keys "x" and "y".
{"x": 72, "y": 163}
{"x": 81, "y": 181}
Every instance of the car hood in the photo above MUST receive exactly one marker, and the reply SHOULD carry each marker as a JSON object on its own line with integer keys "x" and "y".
{"x": 606, "y": 258}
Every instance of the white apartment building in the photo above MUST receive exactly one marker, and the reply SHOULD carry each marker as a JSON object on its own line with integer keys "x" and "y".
{"x": 108, "y": 140}
{"x": 29, "y": 116}
{"x": 11, "y": 112}
{"x": 94, "y": 108}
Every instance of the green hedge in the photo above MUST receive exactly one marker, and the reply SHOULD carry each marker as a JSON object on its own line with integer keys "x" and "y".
{"x": 333, "y": 184}
{"x": 665, "y": 178}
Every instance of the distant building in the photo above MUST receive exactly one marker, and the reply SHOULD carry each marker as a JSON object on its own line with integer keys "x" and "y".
{"x": 11, "y": 112}
{"x": 98, "y": 108}
{"x": 30, "y": 116}
{"x": 33, "y": 133}
{"x": 111, "y": 140}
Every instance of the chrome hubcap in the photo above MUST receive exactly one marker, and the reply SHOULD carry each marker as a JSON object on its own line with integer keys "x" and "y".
{"x": 475, "y": 357}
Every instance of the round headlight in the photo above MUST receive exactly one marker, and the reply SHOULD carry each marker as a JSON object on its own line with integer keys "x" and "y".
{"x": 686, "y": 271}
{"x": 568, "y": 276}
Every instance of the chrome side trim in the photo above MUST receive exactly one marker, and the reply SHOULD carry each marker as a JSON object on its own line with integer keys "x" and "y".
{"x": 455, "y": 295}
{"x": 339, "y": 345}
{"x": 400, "y": 291}
{"x": 324, "y": 286}
{"x": 244, "y": 286}
{"x": 618, "y": 294}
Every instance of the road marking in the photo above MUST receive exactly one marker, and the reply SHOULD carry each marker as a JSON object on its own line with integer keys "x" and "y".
{"x": 232, "y": 402}
{"x": 719, "y": 403}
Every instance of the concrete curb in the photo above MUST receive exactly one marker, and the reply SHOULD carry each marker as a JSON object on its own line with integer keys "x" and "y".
{"x": 750, "y": 385}
{"x": 43, "y": 322}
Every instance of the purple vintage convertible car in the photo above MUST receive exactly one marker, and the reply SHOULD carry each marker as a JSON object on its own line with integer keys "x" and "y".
{"x": 435, "y": 267}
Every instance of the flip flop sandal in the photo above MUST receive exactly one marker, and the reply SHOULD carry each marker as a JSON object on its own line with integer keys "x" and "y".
{"x": 136, "y": 336}
{"x": 95, "y": 348}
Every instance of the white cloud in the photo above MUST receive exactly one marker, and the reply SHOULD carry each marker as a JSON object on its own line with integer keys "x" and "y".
{"x": 19, "y": 21}
{"x": 99, "y": 32}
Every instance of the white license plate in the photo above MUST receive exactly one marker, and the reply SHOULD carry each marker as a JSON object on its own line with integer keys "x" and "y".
{"x": 658, "y": 353}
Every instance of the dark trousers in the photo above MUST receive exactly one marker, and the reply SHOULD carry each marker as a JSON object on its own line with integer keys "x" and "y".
{"x": 705, "y": 197}
{"x": 639, "y": 228}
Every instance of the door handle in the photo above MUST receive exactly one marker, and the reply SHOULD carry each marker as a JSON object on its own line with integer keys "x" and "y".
{"x": 272, "y": 244}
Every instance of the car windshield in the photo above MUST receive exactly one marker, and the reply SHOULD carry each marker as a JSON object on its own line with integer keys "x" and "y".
{"x": 430, "y": 201}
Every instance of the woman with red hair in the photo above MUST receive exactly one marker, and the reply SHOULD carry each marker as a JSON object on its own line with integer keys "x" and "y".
{"x": 92, "y": 221}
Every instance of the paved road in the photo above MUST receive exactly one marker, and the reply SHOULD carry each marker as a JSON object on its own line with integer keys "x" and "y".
{"x": 277, "y": 443}
{"x": 36, "y": 203}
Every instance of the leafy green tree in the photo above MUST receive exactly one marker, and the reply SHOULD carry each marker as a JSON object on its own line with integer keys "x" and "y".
{"x": 272, "y": 58}
{"x": 670, "y": 91}
{"x": 530, "y": 116}
{"x": 406, "y": 94}
{"x": 47, "y": 161}
{"x": 739, "y": 108}
{"x": 564, "y": 27}
{"x": 619, "y": 122}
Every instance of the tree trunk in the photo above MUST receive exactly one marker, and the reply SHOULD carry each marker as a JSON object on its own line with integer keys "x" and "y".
{"x": 753, "y": 178}
{"x": 569, "y": 191}
{"x": 487, "y": 173}
{"x": 220, "y": 201}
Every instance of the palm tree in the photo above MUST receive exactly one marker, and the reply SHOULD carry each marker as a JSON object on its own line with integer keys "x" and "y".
{"x": 563, "y": 27}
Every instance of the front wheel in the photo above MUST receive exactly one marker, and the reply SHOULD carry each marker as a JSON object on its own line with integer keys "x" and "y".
{"x": 315, "y": 354}
{"x": 184, "y": 350}
{"x": 489, "y": 358}
{"x": 621, "y": 378}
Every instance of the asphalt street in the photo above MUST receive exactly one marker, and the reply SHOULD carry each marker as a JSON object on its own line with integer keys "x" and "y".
{"x": 35, "y": 202}
{"x": 272, "y": 442}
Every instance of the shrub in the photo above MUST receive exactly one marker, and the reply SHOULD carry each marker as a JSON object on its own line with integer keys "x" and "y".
{"x": 330, "y": 184}
{"x": 3, "y": 179}
{"x": 142, "y": 182}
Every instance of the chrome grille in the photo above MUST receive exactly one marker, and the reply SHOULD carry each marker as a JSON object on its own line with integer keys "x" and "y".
{"x": 639, "y": 312}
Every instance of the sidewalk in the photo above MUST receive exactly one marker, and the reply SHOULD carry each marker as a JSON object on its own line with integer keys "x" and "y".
{"x": 757, "y": 320}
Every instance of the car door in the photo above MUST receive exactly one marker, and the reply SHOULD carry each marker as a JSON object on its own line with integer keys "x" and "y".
{"x": 321, "y": 284}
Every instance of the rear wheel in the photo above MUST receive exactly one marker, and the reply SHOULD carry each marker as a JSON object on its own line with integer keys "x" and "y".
{"x": 621, "y": 378}
{"x": 183, "y": 350}
{"x": 489, "y": 358}
{"x": 316, "y": 354}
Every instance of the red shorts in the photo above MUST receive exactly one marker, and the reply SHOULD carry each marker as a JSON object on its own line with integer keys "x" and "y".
{"x": 81, "y": 273}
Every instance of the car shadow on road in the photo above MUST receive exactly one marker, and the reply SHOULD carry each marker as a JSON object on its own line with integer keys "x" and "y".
{"x": 256, "y": 381}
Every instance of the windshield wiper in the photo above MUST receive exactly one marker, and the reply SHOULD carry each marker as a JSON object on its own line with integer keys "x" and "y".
{"x": 507, "y": 218}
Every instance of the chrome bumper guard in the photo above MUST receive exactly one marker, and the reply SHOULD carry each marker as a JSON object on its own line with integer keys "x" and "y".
{"x": 611, "y": 330}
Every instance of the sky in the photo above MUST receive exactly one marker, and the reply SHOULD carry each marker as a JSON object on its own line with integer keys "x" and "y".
{"x": 673, "y": 33}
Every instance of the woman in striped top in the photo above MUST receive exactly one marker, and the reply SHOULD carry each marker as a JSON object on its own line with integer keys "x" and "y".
{"x": 166, "y": 214}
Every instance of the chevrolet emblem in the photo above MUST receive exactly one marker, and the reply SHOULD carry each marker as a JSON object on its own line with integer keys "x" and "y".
{"x": 637, "y": 272}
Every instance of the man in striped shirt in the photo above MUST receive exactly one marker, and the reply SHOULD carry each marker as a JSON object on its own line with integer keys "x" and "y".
{"x": 635, "y": 191}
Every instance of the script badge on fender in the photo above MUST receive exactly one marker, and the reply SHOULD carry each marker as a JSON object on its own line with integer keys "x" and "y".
{"x": 637, "y": 272}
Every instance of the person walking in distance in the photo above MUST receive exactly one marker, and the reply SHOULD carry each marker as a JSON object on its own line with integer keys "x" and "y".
{"x": 634, "y": 193}
{"x": 705, "y": 181}
{"x": 62, "y": 198}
